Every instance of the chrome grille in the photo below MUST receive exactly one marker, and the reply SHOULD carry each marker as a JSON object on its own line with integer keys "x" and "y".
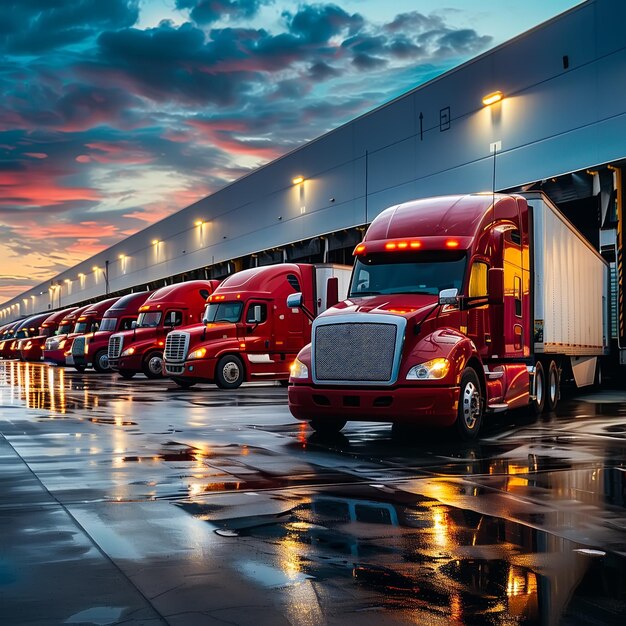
{"x": 366, "y": 352}
{"x": 115, "y": 346}
{"x": 174, "y": 369}
{"x": 176, "y": 347}
{"x": 78, "y": 346}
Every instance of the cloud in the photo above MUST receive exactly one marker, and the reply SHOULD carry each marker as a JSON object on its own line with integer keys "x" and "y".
{"x": 317, "y": 23}
{"x": 208, "y": 11}
{"x": 30, "y": 27}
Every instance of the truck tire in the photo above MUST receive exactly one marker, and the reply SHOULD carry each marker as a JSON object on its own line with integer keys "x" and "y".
{"x": 126, "y": 374}
{"x": 536, "y": 405}
{"x": 229, "y": 372}
{"x": 101, "y": 361}
{"x": 552, "y": 387}
{"x": 471, "y": 406}
{"x": 327, "y": 426}
{"x": 183, "y": 383}
{"x": 152, "y": 365}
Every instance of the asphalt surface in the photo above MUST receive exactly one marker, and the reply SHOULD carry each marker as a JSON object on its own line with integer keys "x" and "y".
{"x": 135, "y": 502}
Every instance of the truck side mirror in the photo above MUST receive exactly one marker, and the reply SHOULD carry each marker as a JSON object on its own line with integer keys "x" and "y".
{"x": 294, "y": 300}
{"x": 133, "y": 325}
{"x": 449, "y": 296}
{"x": 495, "y": 285}
{"x": 332, "y": 291}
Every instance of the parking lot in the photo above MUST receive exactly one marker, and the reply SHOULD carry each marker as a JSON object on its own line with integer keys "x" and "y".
{"x": 136, "y": 502}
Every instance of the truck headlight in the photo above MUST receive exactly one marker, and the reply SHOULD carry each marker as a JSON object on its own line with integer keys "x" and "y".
{"x": 61, "y": 345}
{"x": 435, "y": 369}
{"x": 128, "y": 352}
{"x": 197, "y": 354}
{"x": 299, "y": 370}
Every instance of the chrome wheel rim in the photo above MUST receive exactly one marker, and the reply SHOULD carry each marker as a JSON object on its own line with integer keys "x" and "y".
{"x": 155, "y": 365}
{"x": 103, "y": 362}
{"x": 538, "y": 389}
{"x": 471, "y": 405}
{"x": 230, "y": 371}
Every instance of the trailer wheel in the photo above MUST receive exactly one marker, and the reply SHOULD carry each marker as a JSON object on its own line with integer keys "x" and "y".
{"x": 101, "y": 361}
{"x": 327, "y": 426}
{"x": 229, "y": 373}
{"x": 552, "y": 390}
{"x": 536, "y": 405}
{"x": 126, "y": 374}
{"x": 152, "y": 365}
{"x": 184, "y": 383}
{"x": 470, "y": 412}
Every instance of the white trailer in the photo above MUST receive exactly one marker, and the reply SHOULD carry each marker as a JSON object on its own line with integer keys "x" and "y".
{"x": 570, "y": 291}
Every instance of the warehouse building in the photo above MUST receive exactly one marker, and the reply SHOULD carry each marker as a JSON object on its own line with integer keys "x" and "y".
{"x": 546, "y": 110}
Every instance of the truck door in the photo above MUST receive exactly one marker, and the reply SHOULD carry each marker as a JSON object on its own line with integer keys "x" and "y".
{"x": 478, "y": 313}
{"x": 516, "y": 293}
{"x": 259, "y": 335}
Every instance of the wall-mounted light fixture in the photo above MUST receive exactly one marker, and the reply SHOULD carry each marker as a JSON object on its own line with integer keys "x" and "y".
{"x": 297, "y": 180}
{"x": 156, "y": 242}
{"x": 492, "y": 98}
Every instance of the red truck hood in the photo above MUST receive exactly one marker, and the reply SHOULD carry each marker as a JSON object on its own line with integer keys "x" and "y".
{"x": 406, "y": 305}
{"x": 213, "y": 331}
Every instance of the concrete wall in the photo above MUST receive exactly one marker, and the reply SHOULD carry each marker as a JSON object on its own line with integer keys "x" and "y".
{"x": 552, "y": 121}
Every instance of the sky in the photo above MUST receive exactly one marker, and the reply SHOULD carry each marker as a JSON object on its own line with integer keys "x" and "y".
{"x": 117, "y": 113}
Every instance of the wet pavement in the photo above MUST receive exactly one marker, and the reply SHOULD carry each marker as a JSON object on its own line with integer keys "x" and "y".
{"x": 135, "y": 502}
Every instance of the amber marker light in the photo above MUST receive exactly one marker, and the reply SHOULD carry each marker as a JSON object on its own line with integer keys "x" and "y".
{"x": 416, "y": 244}
{"x": 403, "y": 245}
{"x": 452, "y": 243}
{"x": 297, "y": 180}
{"x": 359, "y": 249}
{"x": 492, "y": 98}
{"x": 390, "y": 246}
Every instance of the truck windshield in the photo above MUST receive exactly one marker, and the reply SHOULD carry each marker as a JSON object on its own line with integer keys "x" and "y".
{"x": 407, "y": 272}
{"x": 223, "y": 312}
{"x": 46, "y": 331}
{"x": 64, "y": 329}
{"x": 108, "y": 323}
{"x": 149, "y": 319}
{"x": 82, "y": 327}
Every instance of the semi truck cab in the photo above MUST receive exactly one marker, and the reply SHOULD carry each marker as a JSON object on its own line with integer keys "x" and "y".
{"x": 453, "y": 313}
{"x": 141, "y": 349}
{"x": 248, "y": 332}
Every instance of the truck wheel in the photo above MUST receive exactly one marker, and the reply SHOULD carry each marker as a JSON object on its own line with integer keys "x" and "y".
{"x": 470, "y": 411}
{"x": 552, "y": 387}
{"x": 229, "y": 373}
{"x": 126, "y": 374}
{"x": 327, "y": 426}
{"x": 536, "y": 405}
{"x": 101, "y": 361}
{"x": 152, "y": 365}
{"x": 184, "y": 383}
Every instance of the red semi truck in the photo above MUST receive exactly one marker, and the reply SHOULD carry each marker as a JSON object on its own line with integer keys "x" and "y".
{"x": 32, "y": 349}
{"x": 141, "y": 349}
{"x": 84, "y": 320}
{"x": 6, "y": 338}
{"x": 91, "y": 349}
{"x": 54, "y": 347}
{"x": 248, "y": 331}
{"x": 459, "y": 307}
{"x": 27, "y": 328}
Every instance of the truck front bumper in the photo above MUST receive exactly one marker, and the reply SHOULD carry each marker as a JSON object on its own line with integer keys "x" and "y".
{"x": 131, "y": 363}
{"x": 436, "y": 406}
{"x": 198, "y": 369}
{"x": 55, "y": 356}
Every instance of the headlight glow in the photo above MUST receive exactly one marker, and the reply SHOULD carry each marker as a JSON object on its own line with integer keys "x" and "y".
{"x": 61, "y": 345}
{"x": 299, "y": 370}
{"x": 435, "y": 369}
{"x": 128, "y": 352}
{"x": 197, "y": 354}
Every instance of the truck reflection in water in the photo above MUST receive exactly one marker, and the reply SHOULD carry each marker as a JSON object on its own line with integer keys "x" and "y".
{"x": 436, "y": 561}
